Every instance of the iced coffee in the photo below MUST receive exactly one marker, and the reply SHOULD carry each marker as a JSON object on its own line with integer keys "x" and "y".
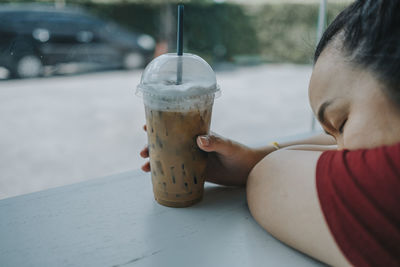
{"x": 175, "y": 115}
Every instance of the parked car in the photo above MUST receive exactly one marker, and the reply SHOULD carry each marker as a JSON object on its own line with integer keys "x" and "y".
{"x": 33, "y": 36}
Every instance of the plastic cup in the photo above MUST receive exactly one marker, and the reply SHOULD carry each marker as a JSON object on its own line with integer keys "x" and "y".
{"x": 176, "y": 113}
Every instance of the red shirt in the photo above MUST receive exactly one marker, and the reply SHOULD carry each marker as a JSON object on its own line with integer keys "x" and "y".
{"x": 359, "y": 193}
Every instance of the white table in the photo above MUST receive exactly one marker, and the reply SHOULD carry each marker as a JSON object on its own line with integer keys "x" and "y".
{"x": 114, "y": 221}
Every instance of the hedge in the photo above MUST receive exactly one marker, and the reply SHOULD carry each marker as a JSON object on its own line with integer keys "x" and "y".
{"x": 272, "y": 32}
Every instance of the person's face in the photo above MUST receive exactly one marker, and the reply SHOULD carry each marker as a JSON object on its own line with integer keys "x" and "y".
{"x": 351, "y": 104}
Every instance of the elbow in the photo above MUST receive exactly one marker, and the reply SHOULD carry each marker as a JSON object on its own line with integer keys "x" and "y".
{"x": 259, "y": 191}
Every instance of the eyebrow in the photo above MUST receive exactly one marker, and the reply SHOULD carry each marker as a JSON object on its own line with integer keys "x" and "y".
{"x": 321, "y": 111}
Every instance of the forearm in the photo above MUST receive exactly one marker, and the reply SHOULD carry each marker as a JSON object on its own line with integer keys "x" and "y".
{"x": 312, "y": 147}
{"x": 231, "y": 162}
{"x": 321, "y": 139}
{"x": 319, "y": 142}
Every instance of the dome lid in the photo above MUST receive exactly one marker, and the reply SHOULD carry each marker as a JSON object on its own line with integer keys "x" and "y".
{"x": 173, "y": 76}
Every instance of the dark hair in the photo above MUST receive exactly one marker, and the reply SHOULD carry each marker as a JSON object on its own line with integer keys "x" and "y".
{"x": 370, "y": 35}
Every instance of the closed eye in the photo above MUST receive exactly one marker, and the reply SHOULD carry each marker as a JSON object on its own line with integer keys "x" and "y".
{"x": 342, "y": 126}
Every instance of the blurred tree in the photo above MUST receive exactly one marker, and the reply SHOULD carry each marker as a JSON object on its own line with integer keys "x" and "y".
{"x": 167, "y": 29}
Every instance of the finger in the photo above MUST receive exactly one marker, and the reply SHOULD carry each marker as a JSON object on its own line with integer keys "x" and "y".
{"x": 146, "y": 167}
{"x": 215, "y": 143}
{"x": 145, "y": 128}
{"x": 145, "y": 152}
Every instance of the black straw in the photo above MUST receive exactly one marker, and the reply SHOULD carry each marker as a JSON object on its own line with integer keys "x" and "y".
{"x": 179, "y": 44}
{"x": 179, "y": 41}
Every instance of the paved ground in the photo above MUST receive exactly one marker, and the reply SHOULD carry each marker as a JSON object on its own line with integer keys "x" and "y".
{"x": 66, "y": 129}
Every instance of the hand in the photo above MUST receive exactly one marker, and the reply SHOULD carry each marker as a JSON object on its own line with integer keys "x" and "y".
{"x": 229, "y": 163}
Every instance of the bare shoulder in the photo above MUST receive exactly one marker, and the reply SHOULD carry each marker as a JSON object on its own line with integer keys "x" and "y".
{"x": 282, "y": 197}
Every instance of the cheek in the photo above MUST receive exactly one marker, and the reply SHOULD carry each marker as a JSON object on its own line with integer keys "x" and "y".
{"x": 360, "y": 132}
{"x": 353, "y": 139}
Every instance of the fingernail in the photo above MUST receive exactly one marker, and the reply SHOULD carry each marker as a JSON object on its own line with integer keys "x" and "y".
{"x": 204, "y": 140}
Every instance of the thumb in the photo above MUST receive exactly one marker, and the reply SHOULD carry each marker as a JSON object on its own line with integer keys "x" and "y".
{"x": 213, "y": 143}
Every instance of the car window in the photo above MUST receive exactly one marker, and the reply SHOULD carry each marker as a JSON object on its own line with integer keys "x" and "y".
{"x": 22, "y": 21}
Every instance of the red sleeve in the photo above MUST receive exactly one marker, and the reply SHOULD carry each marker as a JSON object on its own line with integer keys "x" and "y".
{"x": 359, "y": 193}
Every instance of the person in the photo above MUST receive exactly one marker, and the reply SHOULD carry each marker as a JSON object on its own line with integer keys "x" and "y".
{"x": 335, "y": 196}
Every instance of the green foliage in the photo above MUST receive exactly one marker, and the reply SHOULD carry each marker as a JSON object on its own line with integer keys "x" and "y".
{"x": 287, "y": 32}
{"x": 272, "y": 32}
{"x": 221, "y": 31}
{"x": 138, "y": 17}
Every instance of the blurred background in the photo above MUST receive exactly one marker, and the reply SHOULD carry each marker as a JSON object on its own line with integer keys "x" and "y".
{"x": 69, "y": 69}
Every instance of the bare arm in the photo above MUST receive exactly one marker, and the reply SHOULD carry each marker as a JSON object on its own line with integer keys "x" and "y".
{"x": 282, "y": 197}
{"x": 230, "y": 163}
{"x": 318, "y": 142}
{"x": 319, "y": 139}
{"x": 281, "y": 189}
